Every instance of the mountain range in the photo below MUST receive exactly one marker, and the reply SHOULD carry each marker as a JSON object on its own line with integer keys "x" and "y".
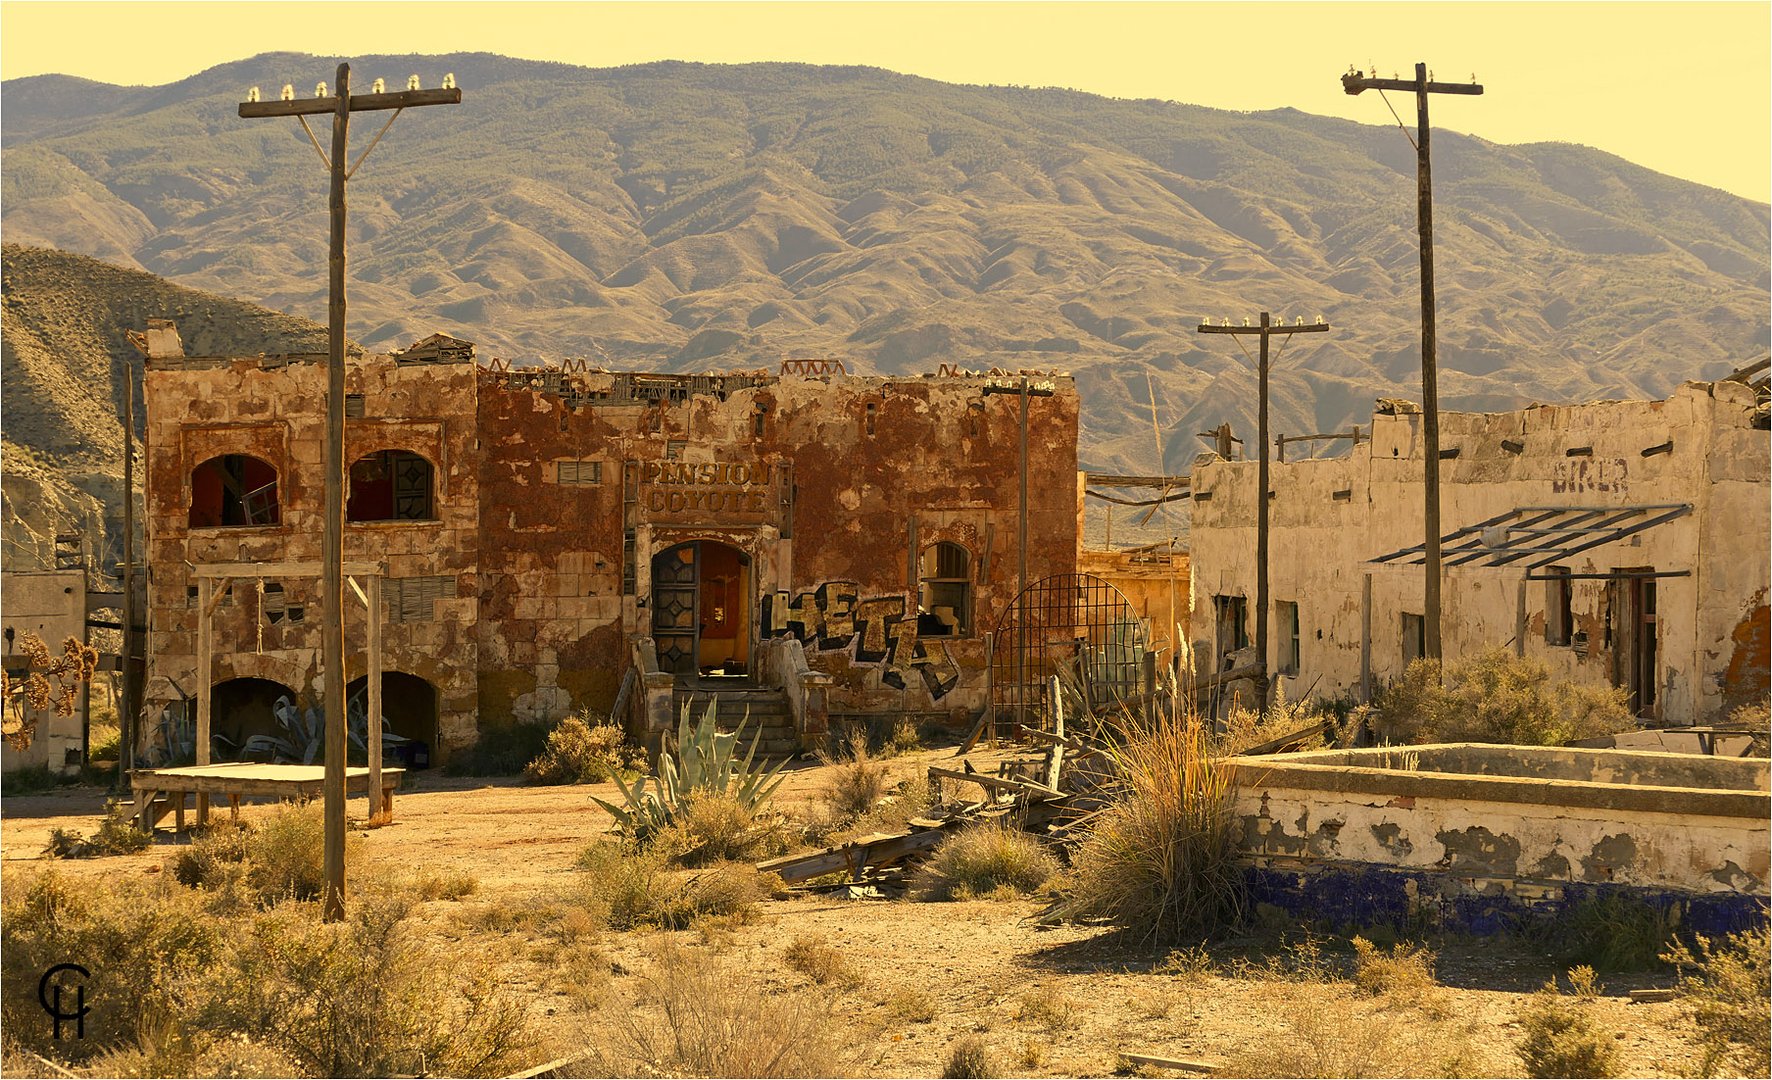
{"x": 693, "y": 217}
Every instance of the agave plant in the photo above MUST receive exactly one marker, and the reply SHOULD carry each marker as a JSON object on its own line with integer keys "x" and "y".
{"x": 705, "y": 762}
{"x": 304, "y": 733}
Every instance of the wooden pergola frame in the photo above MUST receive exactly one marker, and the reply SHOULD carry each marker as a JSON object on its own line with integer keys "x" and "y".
{"x": 211, "y": 575}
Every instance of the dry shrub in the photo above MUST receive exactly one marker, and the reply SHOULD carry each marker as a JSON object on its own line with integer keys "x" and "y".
{"x": 1610, "y": 932}
{"x": 911, "y": 1005}
{"x": 1047, "y": 1008}
{"x": 187, "y": 990}
{"x": 1496, "y": 697}
{"x": 1161, "y": 860}
{"x": 969, "y": 1059}
{"x": 584, "y": 749}
{"x": 365, "y": 997}
{"x": 116, "y": 835}
{"x": 858, "y": 780}
{"x": 699, "y": 1016}
{"x": 819, "y": 961}
{"x": 1244, "y": 727}
{"x": 717, "y": 827}
{"x": 278, "y": 858}
{"x": 445, "y": 886}
{"x": 904, "y": 738}
{"x": 628, "y": 888}
{"x": 1558, "y": 1035}
{"x": 1328, "y": 1038}
{"x": 142, "y": 942}
{"x": 1726, "y": 986}
{"x": 1405, "y": 974}
{"x": 987, "y": 860}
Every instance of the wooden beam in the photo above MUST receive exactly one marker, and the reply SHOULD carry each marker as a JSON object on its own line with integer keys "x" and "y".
{"x": 373, "y": 602}
{"x": 1178, "y": 1064}
{"x": 278, "y": 569}
{"x": 1115, "y": 480}
{"x": 326, "y": 106}
{"x": 1016, "y": 787}
{"x": 1353, "y": 84}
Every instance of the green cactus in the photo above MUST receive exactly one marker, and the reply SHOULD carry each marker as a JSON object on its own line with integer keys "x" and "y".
{"x": 704, "y": 763}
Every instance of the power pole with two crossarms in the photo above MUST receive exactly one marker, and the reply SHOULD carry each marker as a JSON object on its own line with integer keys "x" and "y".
{"x": 1265, "y": 330}
{"x": 341, "y": 105}
{"x": 1355, "y": 82}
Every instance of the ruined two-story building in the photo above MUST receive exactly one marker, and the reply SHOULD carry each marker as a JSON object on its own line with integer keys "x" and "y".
{"x": 1621, "y": 542}
{"x": 544, "y": 535}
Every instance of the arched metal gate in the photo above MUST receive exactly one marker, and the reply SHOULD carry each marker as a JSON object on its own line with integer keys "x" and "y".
{"x": 1076, "y": 622}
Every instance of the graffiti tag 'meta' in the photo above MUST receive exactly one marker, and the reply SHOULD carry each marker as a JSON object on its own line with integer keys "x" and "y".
{"x": 834, "y": 617}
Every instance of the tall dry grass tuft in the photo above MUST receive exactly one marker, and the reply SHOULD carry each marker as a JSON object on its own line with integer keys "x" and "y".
{"x": 698, "y": 1016}
{"x": 1160, "y": 861}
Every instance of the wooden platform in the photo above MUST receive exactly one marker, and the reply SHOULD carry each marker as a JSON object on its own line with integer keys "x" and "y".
{"x": 159, "y": 792}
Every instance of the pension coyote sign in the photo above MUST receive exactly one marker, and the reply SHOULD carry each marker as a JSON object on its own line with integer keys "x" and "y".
{"x": 708, "y": 492}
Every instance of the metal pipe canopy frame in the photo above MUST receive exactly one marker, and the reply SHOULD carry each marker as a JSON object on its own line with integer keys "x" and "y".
{"x": 1076, "y": 620}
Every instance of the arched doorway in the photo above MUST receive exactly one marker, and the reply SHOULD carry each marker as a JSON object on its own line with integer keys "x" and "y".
{"x": 408, "y": 709}
{"x": 701, "y": 611}
{"x": 242, "y": 708}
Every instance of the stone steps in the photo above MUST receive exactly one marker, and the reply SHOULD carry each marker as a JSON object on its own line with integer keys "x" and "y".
{"x": 764, "y": 712}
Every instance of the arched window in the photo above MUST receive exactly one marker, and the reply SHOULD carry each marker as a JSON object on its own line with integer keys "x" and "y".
{"x": 233, "y": 490}
{"x": 390, "y": 485}
{"x": 944, "y": 608}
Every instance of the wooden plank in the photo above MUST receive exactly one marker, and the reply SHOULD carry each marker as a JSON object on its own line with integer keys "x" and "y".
{"x": 1274, "y": 745}
{"x": 1047, "y": 737}
{"x": 878, "y": 850}
{"x": 1178, "y": 1064}
{"x": 1017, "y": 787}
{"x": 1055, "y": 761}
{"x": 326, "y": 106}
{"x": 294, "y": 569}
{"x": 1638, "y": 997}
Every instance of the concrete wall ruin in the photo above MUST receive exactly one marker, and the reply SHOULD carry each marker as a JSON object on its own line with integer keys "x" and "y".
{"x": 1329, "y": 517}
{"x": 52, "y": 605}
{"x": 1513, "y": 827}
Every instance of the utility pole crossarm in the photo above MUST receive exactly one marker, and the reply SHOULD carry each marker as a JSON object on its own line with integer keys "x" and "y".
{"x": 1269, "y": 331}
{"x": 1356, "y": 82}
{"x": 326, "y": 106}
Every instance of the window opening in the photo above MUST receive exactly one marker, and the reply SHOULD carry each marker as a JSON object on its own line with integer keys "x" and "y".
{"x": 1287, "y": 618}
{"x": 1414, "y": 638}
{"x": 391, "y": 485}
{"x": 233, "y": 491}
{"x": 944, "y": 605}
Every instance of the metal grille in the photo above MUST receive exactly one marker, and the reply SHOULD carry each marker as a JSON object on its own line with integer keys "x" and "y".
{"x": 1071, "y": 621}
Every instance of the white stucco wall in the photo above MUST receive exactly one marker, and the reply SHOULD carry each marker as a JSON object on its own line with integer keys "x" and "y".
{"x": 52, "y": 605}
{"x": 1711, "y": 629}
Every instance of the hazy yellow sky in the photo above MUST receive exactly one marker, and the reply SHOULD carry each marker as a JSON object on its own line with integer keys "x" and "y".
{"x": 1683, "y": 88}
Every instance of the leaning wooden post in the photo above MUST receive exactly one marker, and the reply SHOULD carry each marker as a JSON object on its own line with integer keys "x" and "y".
{"x": 373, "y": 736}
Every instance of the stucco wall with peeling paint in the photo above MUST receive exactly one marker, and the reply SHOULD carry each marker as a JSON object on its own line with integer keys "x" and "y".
{"x": 1329, "y": 517}
{"x": 555, "y": 490}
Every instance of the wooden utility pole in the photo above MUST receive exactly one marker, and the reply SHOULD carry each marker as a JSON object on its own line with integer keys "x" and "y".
{"x": 131, "y": 696}
{"x": 341, "y": 104}
{"x": 1265, "y": 330}
{"x": 1026, "y": 390}
{"x": 1355, "y": 82}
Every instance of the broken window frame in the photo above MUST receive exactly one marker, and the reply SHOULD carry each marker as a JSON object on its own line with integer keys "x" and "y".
{"x": 388, "y": 459}
{"x": 951, "y": 577}
{"x": 240, "y": 507}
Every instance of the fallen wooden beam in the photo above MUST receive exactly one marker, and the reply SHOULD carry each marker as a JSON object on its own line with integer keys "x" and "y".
{"x": 1639, "y": 997}
{"x": 1274, "y": 746}
{"x": 1036, "y": 735}
{"x": 1178, "y": 1064}
{"x": 1017, "y": 787}
{"x": 880, "y": 849}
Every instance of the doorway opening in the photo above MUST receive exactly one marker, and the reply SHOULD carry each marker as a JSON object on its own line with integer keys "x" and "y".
{"x": 701, "y": 611}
